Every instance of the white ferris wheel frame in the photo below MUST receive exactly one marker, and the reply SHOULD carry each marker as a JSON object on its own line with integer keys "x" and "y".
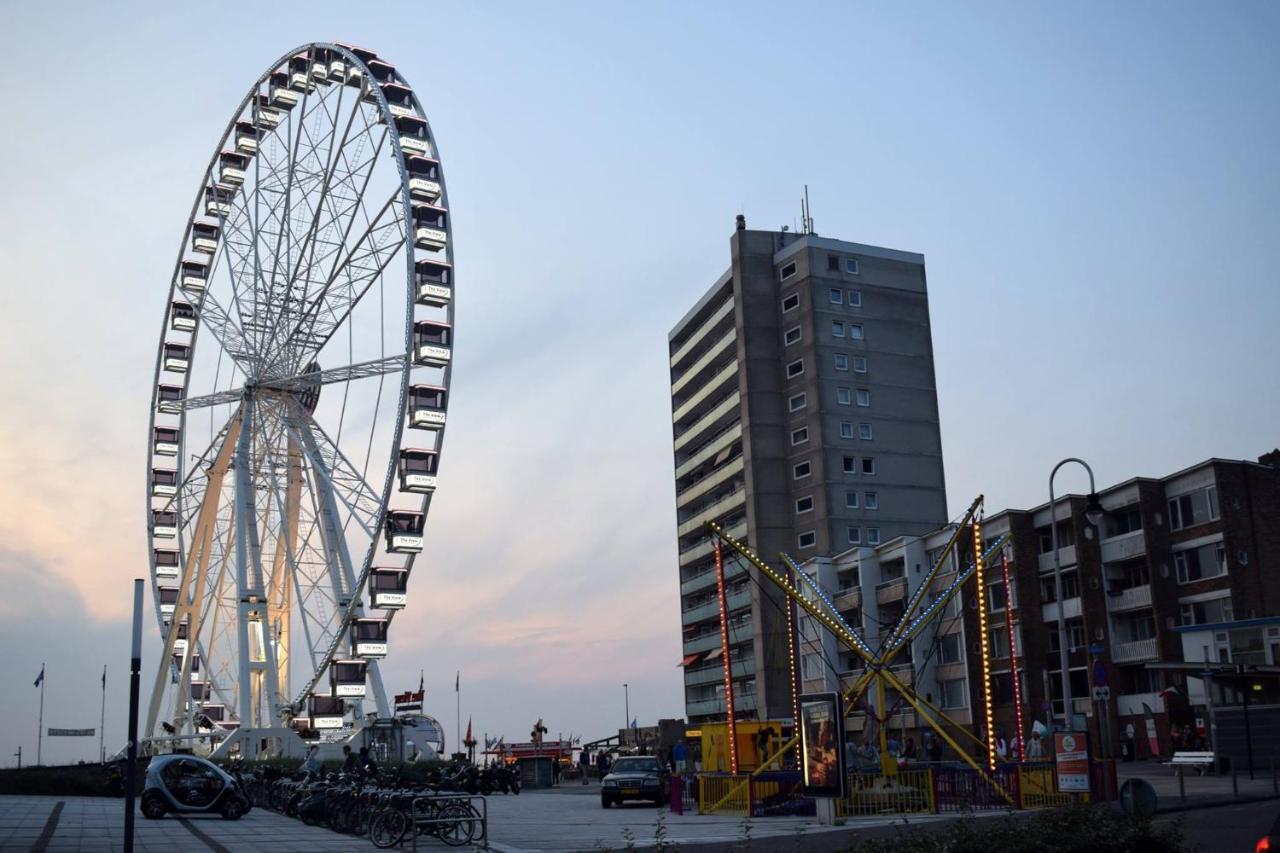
{"x": 213, "y": 532}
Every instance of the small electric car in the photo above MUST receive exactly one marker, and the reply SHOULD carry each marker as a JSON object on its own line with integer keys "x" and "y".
{"x": 185, "y": 784}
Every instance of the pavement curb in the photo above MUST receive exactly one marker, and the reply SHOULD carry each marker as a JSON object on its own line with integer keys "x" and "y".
{"x": 1214, "y": 804}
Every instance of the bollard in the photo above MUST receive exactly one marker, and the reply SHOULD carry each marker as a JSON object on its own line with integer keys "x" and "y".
{"x": 1235, "y": 782}
{"x": 1182, "y": 787}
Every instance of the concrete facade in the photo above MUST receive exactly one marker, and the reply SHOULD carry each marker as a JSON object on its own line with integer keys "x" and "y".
{"x": 805, "y": 421}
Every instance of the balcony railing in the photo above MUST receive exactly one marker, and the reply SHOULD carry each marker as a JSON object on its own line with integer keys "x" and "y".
{"x": 847, "y": 599}
{"x": 742, "y": 701}
{"x": 1124, "y": 547}
{"x": 1066, "y": 555}
{"x": 709, "y": 482}
{"x": 891, "y": 590}
{"x": 1049, "y": 612}
{"x": 1135, "y": 651}
{"x": 690, "y": 346}
{"x": 738, "y": 531}
{"x": 734, "y": 601}
{"x": 727, "y": 405}
{"x": 1129, "y": 599}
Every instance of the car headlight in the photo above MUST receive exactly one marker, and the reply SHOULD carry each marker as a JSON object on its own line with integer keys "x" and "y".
{"x": 611, "y": 783}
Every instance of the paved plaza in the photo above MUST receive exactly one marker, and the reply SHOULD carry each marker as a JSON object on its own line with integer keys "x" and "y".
{"x": 559, "y": 820}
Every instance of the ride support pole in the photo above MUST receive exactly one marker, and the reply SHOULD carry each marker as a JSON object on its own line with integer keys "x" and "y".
{"x": 131, "y": 760}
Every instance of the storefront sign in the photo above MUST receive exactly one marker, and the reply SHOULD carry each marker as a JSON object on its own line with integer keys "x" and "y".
{"x": 822, "y": 744}
{"x": 1071, "y": 754}
{"x": 72, "y": 732}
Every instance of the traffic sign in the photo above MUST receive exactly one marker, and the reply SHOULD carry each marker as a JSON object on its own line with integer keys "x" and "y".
{"x": 1101, "y": 694}
{"x": 1099, "y": 674}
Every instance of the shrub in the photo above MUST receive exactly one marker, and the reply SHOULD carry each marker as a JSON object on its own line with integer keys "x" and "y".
{"x": 1076, "y": 829}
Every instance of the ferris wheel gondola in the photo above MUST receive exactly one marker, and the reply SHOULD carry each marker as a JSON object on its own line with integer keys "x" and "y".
{"x": 308, "y": 322}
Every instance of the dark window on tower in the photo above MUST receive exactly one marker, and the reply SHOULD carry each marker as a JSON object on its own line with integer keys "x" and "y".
{"x": 833, "y": 263}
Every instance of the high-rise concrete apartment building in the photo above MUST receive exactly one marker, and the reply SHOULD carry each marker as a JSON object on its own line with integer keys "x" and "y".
{"x": 805, "y": 420}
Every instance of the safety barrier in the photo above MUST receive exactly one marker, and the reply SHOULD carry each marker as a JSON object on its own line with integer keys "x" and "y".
{"x": 909, "y": 791}
{"x": 921, "y": 790}
{"x": 766, "y": 795}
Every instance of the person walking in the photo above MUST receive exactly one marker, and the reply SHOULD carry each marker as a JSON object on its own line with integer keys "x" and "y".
{"x": 555, "y": 772}
{"x": 935, "y": 749}
{"x": 350, "y": 761}
{"x": 311, "y": 764}
{"x": 367, "y": 765}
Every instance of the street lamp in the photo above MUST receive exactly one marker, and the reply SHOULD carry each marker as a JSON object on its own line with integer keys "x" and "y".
{"x": 1093, "y": 514}
{"x": 626, "y": 703}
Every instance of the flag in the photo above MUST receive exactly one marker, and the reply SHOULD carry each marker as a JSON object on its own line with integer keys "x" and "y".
{"x": 457, "y": 681}
{"x": 468, "y": 737}
{"x": 633, "y": 722}
{"x": 421, "y": 683}
{"x": 40, "y": 677}
{"x": 104, "y": 676}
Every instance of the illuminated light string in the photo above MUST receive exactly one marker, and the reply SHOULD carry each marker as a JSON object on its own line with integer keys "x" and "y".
{"x": 846, "y": 630}
{"x": 942, "y": 600}
{"x": 978, "y": 567}
{"x": 1013, "y": 653}
{"x": 731, "y": 727}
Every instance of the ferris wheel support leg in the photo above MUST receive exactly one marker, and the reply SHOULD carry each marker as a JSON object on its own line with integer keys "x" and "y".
{"x": 194, "y": 575}
{"x": 255, "y": 651}
{"x": 335, "y": 544}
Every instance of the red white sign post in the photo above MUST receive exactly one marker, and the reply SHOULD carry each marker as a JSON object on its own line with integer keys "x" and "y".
{"x": 1071, "y": 755}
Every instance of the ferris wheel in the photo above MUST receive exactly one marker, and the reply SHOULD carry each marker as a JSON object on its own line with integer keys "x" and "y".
{"x": 298, "y": 405}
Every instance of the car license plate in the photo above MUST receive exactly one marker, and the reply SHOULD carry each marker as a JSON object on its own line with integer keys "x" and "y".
{"x": 631, "y": 790}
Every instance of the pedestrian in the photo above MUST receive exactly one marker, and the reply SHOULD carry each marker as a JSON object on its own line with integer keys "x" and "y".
{"x": 850, "y": 755}
{"x": 555, "y": 771}
{"x": 350, "y": 761}
{"x": 1002, "y": 748}
{"x": 1036, "y": 748}
{"x": 367, "y": 765}
{"x": 935, "y": 749}
{"x": 311, "y": 764}
{"x": 909, "y": 751}
{"x": 412, "y": 753}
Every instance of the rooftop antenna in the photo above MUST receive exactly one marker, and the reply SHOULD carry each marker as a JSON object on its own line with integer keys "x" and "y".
{"x": 808, "y": 219}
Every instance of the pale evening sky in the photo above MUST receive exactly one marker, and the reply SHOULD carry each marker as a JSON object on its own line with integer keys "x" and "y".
{"x": 1094, "y": 188}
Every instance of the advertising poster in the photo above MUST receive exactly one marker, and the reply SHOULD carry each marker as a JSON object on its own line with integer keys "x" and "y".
{"x": 1071, "y": 754}
{"x": 822, "y": 744}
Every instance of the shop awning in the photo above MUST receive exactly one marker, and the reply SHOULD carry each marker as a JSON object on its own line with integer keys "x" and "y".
{"x": 714, "y": 653}
{"x": 688, "y": 659}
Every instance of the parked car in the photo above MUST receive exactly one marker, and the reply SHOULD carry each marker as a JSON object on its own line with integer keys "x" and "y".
{"x": 637, "y": 777}
{"x": 185, "y": 784}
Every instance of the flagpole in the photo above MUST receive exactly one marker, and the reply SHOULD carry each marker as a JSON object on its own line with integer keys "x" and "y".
{"x": 102, "y": 723}
{"x": 40, "y": 723}
{"x": 457, "y": 720}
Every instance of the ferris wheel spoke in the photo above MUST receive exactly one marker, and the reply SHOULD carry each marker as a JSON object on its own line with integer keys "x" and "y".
{"x": 352, "y": 275}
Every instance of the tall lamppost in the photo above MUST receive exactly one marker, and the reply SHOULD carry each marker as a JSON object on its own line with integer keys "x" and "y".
{"x": 1093, "y": 513}
{"x": 626, "y": 703}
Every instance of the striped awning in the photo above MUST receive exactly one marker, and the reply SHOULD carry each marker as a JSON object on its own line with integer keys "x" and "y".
{"x": 690, "y": 659}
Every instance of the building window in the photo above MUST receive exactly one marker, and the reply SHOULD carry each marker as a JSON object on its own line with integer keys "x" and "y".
{"x": 797, "y": 402}
{"x": 843, "y": 396}
{"x": 788, "y": 271}
{"x": 1207, "y": 612}
{"x": 791, "y": 303}
{"x": 859, "y": 364}
{"x": 1196, "y": 564}
{"x": 804, "y": 505}
{"x": 864, "y": 432}
{"x": 837, "y": 329}
{"x": 855, "y": 535}
{"x": 851, "y": 266}
{"x": 807, "y": 539}
{"x": 864, "y": 397}
{"x": 846, "y": 429}
{"x": 950, "y": 649}
{"x": 795, "y": 368}
{"x": 1194, "y": 508}
{"x": 855, "y": 331}
{"x": 954, "y": 694}
{"x": 833, "y": 263}
{"x": 792, "y": 336}
{"x": 801, "y": 470}
{"x": 850, "y": 465}
{"x": 871, "y": 500}
{"x": 868, "y": 465}
{"x": 855, "y": 298}
{"x": 873, "y": 535}
{"x": 836, "y": 295}
{"x": 851, "y": 500}
{"x": 799, "y": 436}
{"x": 842, "y": 361}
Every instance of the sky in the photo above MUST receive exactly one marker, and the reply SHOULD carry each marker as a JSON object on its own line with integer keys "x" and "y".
{"x": 1095, "y": 188}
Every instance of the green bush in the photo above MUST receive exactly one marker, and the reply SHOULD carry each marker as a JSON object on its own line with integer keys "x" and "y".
{"x": 1077, "y": 829}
